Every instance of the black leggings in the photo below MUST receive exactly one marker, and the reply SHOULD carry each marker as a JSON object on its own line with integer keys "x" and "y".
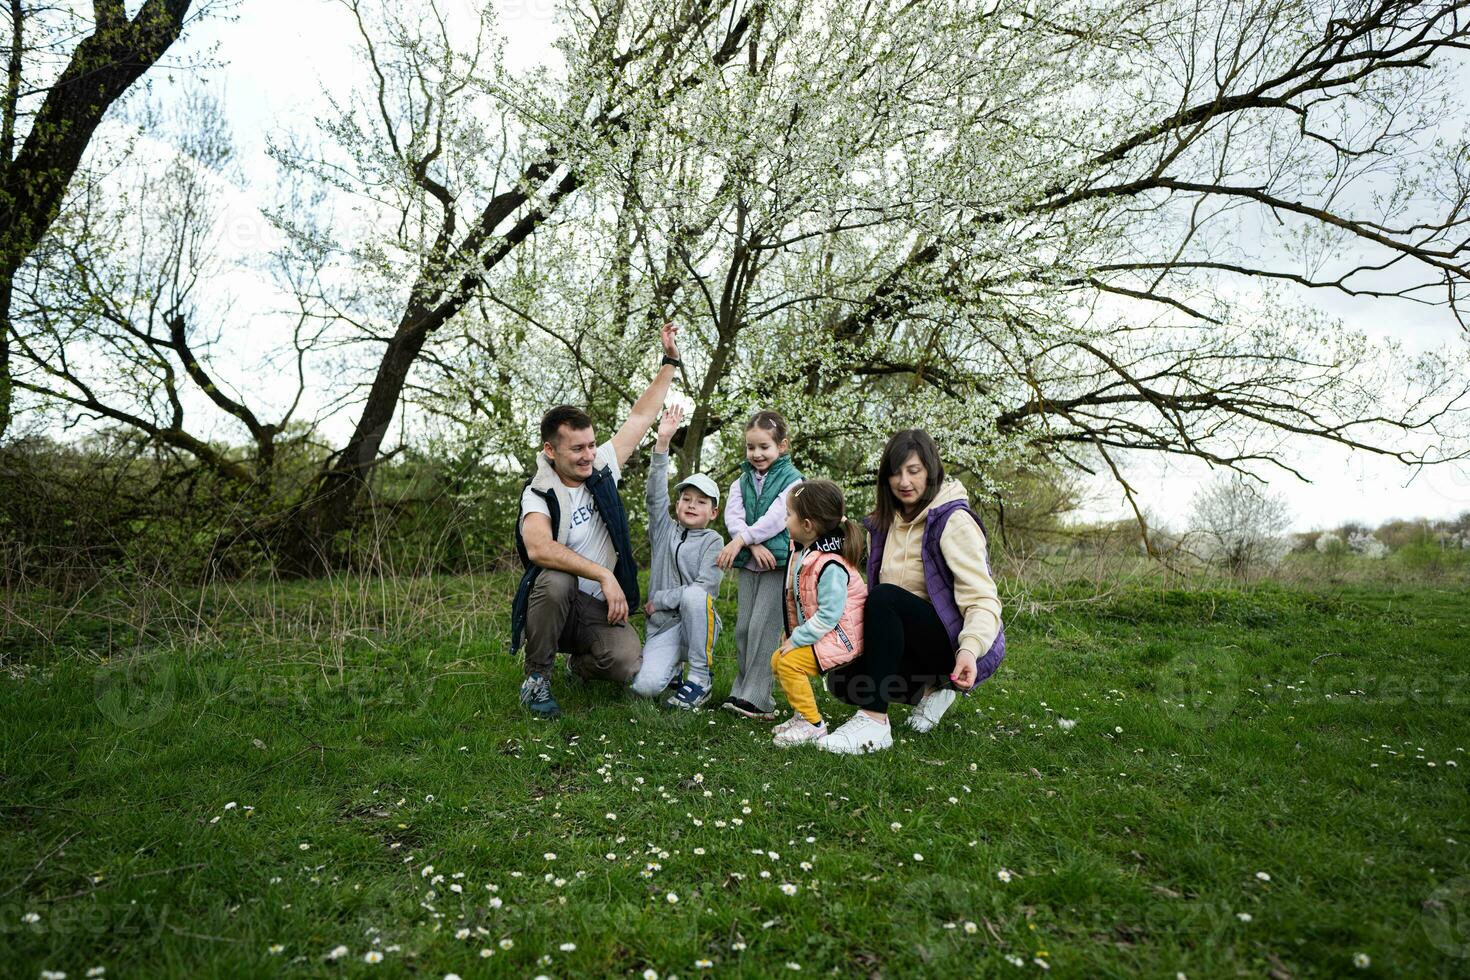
{"x": 906, "y": 653}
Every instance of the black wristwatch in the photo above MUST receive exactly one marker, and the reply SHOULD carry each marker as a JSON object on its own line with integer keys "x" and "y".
{"x": 671, "y": 360}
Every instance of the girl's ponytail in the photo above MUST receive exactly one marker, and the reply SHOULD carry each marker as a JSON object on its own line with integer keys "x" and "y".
{"x": 854, "y": 542}
{"x": 822, "y": 503}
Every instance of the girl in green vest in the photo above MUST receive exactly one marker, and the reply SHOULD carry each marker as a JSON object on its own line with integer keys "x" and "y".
{"x": 755, "y": 515}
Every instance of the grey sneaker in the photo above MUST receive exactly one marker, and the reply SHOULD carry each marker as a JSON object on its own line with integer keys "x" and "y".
{"x": 536, "y": 695}
{"x": 745, "y": 709}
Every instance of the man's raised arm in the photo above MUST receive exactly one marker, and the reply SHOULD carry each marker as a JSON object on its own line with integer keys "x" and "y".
{"x": 645, "y": 409}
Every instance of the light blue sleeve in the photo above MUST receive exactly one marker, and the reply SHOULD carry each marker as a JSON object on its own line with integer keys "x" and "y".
{"x": 831, "y": 600}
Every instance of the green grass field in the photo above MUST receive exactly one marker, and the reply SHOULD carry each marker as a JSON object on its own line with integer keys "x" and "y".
{"x": 1258, "y": 783}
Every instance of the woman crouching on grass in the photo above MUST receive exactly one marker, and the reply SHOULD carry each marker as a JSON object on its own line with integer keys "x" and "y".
{"x": 932, "y": 620}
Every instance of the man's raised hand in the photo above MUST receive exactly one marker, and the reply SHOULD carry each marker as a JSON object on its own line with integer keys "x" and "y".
{"x": 669, "y": 336}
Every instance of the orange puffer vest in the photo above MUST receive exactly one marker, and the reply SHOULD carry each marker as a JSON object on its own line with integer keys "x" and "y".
{"x": 843, "y": 643}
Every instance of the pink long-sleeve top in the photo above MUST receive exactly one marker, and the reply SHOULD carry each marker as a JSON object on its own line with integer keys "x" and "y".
{"x": 770, "y": 524}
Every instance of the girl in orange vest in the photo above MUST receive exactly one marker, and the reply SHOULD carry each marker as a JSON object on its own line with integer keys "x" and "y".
{"x": 823, "y": 598}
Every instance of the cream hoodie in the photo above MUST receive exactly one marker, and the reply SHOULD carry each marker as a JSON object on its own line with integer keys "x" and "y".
{"x": 963, "y": 547}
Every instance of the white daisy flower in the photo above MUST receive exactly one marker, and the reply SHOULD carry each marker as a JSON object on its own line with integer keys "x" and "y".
{"x": 337, "y": 953}
{"x": 788, "y": 888}
{"x": 1263, "y": 876}
{"x": 372, "y": 956}
{"x": 507, "y": 943}
{"x": 567, "y": 947}
{"x": 672, "y": 898}
{"x": 1362, "y": 961}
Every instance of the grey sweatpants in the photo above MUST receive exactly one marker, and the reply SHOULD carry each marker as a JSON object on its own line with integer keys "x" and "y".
{"x": 690, "y": 636}
{"x": 759, "y": 623}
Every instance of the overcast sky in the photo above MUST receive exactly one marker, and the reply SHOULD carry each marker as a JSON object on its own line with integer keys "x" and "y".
{"x": 280, "y": 56}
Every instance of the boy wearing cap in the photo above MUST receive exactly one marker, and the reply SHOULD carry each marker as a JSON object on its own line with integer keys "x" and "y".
{"x": 682, "y": 579}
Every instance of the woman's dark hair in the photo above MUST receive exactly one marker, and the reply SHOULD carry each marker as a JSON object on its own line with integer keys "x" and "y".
{"x": 821, "y": 502}
{"x": 771, "y": 422}
{"x": 902, "y": 445}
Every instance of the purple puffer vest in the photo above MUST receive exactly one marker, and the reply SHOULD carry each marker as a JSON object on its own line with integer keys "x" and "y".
{"x": 939, "y": 580}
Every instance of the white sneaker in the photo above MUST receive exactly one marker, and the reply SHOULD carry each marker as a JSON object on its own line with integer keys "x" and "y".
{"x": 931, "y": 708}
{"x": 788, "y": 723}
{"x": 801, "y": 731}
{"x": 861, "y": 734}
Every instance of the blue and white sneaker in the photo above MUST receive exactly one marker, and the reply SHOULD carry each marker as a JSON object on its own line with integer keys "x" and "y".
{"x": 536, "y": 695}
{"x": 689, "y": 697}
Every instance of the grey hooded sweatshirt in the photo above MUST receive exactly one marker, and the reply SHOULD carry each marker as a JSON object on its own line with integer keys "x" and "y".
{"x": 681, "y": 556}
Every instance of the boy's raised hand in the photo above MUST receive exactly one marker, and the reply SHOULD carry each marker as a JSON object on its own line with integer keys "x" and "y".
{"x": 673, "y": 415}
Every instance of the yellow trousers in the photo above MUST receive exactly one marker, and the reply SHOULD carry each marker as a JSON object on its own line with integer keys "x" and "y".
{"x": 794, "y": 670}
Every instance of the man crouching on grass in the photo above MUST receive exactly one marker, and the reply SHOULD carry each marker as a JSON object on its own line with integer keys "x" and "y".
{"x": 572, "y": 536}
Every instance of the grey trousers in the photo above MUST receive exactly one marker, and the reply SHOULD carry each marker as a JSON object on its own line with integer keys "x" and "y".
{"x": 759, "y": 623}
{"x": 690, "y": 636}
{"x": 559, "y": 616}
